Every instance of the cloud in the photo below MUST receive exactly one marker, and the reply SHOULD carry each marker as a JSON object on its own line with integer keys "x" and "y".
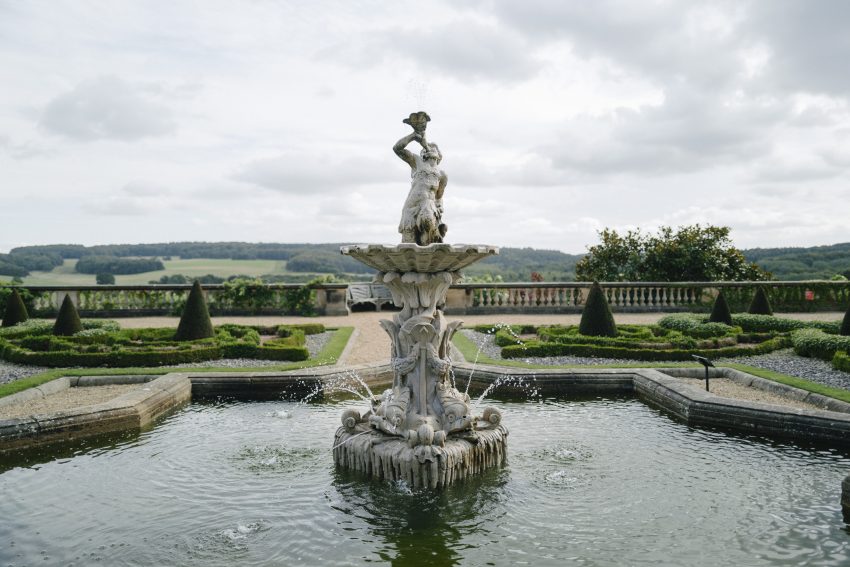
{"x": 465, "y": 49}
{"x": 299, "y": 173}
{"x": 133, "y": 199}
{"x": 107, "y": 108}
{"x": 690, "y": 131}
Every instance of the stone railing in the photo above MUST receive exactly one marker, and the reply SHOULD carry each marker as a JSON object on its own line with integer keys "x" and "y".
{"x": 147, "y": 300}
{"x": 557, "y": 297}
{"x": 569, "y": 297}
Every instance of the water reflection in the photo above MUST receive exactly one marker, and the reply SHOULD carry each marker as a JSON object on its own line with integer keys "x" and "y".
{"x": 421, "y": 527}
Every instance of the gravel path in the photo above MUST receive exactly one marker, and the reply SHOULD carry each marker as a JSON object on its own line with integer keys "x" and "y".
{"x": 784, "y": 361}
{"x": 10, "y": 372}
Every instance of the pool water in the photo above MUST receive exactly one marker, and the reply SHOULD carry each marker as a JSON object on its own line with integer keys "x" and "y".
{"x": 588, "y": 482}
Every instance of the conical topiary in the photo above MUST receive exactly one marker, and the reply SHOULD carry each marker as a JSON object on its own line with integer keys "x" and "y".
{"x": 760, "y": 304}
{"x": 195, "y": 321}
{"x": 845, "y": 324}
{"x": 16, "y": 311}
{"x": 720, "y": 311}
{"x": 68, "y": 320}
{"x": 596, "y": 318}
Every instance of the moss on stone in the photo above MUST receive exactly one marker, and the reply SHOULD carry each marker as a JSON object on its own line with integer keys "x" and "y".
{"x": 596, "y": 318}
{"x": 195, "y": 321}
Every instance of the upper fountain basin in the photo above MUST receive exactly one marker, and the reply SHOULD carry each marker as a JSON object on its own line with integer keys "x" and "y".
{"x": 429, "y": 259}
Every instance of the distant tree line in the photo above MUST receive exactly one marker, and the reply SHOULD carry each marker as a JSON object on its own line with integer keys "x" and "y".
{"x": 687, "y": 253}
{"x": 117, "y": 266}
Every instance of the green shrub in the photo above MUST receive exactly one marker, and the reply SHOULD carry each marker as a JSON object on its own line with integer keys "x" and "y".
{"x": 295, "y": 338}
{"x": 307, "y": 328}
{"x": 841, "y": 361}
{"x": 720, "y": 312}
{"x": 16, "y": 311}
{"x": 68, "y": 321}
{"x": 195, "y": 321}
{"x": 760, "y": 304}
{"x": 104, "y": 279}
{"x": 845, "y": 324}
{"x": 535, "y": 349}
{"x": 681, "y": 321}
{"x": 816, "y": 343}
{"x": 286, "y": 353}
{"x": 596, "y": 317}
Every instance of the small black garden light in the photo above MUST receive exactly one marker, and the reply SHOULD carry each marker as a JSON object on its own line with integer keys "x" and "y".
{"x": 705, "y": 362}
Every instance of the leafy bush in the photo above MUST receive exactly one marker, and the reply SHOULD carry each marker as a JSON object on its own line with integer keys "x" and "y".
{"x": 68, "y": 321}
{"x": 760, "y": 304}
{"x": 596, "y": 317}
{"x": 816, "y": 343}
{"x": 104, "y": 278}
{"x": 720, "y": 312}
{"x": 195, "y": 321}
{"x": 16, "y": 311}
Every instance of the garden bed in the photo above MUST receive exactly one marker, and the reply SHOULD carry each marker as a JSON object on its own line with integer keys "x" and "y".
{"x": 104, "y": 344}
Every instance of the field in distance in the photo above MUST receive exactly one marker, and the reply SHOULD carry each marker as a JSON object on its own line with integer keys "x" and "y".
{"x": 193, "y": 267}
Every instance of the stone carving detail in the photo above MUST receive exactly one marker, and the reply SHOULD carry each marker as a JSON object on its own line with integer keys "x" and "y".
{"x": 422, "y": 214}
{"x": 422, "y": 429}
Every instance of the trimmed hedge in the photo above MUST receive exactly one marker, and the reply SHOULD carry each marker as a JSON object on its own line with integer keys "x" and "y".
{"x": 105, "y": 345}
{"x": 841, "y": 361}
{"x": 760, "y": 304}
{"x": 68, "y": 321}
{"x": 195, "y": 321}
{"x": 845, "y": 324}
{"x": 818, "y": 344}
{"x": 596, "y": 317}
{"x": 16, "y": 311}
{"x": 532, "y": 349}
{"x": 720, "y": 312}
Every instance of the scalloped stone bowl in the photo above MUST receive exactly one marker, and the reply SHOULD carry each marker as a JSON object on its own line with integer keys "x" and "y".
{"x": 430, "y": 259}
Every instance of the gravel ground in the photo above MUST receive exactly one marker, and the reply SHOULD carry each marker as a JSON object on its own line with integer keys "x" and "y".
{"x": 10, "y": 372}
{"x": 784, "y": 361}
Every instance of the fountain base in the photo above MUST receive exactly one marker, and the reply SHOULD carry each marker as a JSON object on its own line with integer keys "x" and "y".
{"x": 390, "y": 458}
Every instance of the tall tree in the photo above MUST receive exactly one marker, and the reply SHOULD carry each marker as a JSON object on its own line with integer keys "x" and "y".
{"x": 688, "y": 253}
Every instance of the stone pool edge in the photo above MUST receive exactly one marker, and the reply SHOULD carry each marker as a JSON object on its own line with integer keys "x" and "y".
{"x": 137, "y": 409}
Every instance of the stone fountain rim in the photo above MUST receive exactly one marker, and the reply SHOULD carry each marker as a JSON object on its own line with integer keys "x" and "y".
{"x": 409, "y": 257}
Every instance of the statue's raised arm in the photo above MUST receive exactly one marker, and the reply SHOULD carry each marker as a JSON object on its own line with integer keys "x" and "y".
{"x": 421, "y": 218}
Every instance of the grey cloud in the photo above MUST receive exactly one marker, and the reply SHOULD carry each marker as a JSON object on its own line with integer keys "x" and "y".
{"x": 810, "y": 43}
{"x": 303, "y": 173}
{"x": 690, "y": 131}
{"x": 465, "y": 50}
{"x": 107, "y": 108}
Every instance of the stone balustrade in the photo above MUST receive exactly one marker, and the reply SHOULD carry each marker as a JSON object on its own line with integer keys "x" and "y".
{"x": 472, "y": 298}
{"x": 569, "y": 297}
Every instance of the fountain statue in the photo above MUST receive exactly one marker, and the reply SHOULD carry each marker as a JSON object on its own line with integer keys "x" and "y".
{"x": 422, "y": 430}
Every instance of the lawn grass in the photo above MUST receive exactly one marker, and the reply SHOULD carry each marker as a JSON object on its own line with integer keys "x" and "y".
{"x": 470, "y": 350}
{"x": 192, "y": 267}
{"x": 327, "y": 356}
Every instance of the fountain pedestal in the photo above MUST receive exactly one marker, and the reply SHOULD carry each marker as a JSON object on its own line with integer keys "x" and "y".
{"x": 422, "y": 430}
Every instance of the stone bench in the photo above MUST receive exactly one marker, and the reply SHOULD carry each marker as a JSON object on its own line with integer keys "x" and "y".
{"x": 369, "y": 294}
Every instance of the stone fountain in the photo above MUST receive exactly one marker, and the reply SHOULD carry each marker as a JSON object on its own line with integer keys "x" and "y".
{"x": 422, "y": 430}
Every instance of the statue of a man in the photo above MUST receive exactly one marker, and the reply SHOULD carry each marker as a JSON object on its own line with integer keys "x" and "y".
{"x": 421, "y": 217}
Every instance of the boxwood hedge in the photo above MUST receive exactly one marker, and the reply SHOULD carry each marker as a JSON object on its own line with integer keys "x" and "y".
{"x": 819, "y": 344}
{"x": 103, "y": 344}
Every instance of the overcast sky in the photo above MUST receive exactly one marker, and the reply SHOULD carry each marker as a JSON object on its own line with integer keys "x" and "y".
{"x": 273, "y": 121}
